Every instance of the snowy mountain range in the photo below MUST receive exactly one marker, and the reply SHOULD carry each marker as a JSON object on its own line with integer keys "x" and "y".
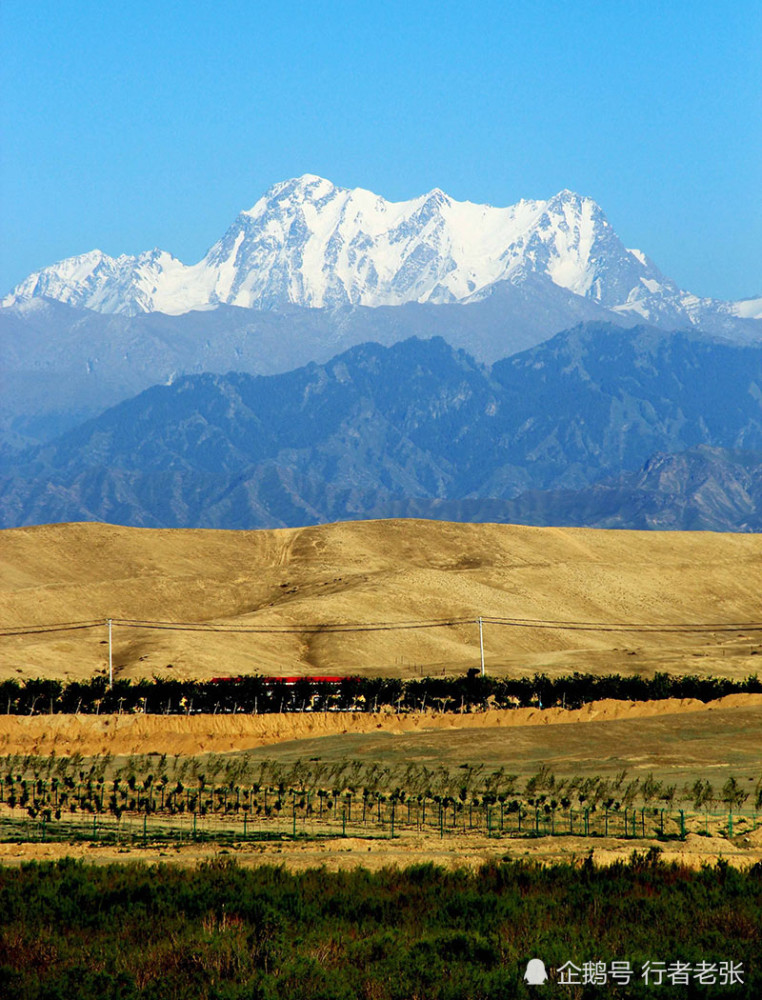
{"x": 309, "y": 243}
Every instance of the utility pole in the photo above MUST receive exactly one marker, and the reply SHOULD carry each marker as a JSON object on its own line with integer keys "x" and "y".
{"x": 481, "y": 643}
{"x": 110, "y": 659}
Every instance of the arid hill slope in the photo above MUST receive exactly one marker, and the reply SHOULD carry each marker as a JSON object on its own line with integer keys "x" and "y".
{"x": 377, "y": 571}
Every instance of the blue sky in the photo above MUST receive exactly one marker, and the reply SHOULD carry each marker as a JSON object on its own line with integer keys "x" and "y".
{"x": 132, "y": 125}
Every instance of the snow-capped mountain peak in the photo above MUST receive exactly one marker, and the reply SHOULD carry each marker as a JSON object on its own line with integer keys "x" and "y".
{"x": 311, "y": 243}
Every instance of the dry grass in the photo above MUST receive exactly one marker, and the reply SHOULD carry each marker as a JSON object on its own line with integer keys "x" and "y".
{"x": 370, "y": 571}
{"x": 678, "y": 745}
{"x": 413, "y": 848}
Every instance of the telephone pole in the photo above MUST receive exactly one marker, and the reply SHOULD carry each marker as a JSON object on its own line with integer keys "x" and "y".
{"x": 481, "y": 644}
{"x": 110, "y": 659}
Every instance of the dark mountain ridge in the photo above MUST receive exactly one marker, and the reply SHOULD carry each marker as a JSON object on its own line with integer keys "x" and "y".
{"x": 418, "y": 421}
{"x": 61, "y": 365}
{"x": 704, "y": 489}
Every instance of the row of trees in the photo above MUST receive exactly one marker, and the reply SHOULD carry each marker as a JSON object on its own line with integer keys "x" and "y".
{"x": 257, "y": 694}
{"x": 224, "y": 786}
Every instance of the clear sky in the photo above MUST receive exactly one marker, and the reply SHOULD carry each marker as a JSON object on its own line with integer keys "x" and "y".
{"x": 138, "y": 124}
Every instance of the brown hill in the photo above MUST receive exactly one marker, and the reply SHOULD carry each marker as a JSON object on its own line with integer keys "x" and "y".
{"x": 377, "y": 571}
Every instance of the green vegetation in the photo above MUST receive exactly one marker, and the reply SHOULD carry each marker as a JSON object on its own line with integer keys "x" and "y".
{"x": 228, "y": 798}
{"x": 69, "y": 930}
{"x": 256, "y": 694}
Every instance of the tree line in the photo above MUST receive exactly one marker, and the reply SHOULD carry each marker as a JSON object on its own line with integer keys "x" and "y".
{"x": 257, "y": 694}
{"x": 307, "y": 793}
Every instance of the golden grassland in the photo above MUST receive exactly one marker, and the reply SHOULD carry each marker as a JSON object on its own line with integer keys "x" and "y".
{"x": 393, "y": 570}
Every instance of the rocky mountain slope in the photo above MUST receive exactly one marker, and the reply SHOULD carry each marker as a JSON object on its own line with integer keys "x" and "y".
{"x": 378, "y": 425}
{"x": 703, "y": 489}
{"x": 61, "y": 365}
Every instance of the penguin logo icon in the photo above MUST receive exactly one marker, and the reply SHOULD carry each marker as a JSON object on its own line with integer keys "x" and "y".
{"x": 535, "y": 974}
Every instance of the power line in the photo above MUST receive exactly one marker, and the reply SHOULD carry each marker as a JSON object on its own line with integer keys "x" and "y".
{"x": 53, "y": 627}
{"x": 295, "y": 629}
{"x": 423, "y": 623}
{"x": 643, "y": 627}
{"x": 558, "y": 621}
{"x": 222, "y": 628}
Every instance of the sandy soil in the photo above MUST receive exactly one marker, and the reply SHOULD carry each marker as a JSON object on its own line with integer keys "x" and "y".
{"x": 371, "y": 571}
{"x": 172, "y": 734}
